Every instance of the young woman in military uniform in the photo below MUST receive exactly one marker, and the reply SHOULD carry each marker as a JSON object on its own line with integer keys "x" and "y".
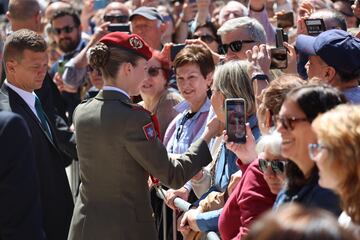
{"x": 118, "y": 148}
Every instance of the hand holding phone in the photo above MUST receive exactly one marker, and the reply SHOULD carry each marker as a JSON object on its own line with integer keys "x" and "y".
{"x": 235, "y": 120}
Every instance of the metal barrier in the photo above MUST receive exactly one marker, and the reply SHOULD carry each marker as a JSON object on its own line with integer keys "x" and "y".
{"x": 183, "y": 206}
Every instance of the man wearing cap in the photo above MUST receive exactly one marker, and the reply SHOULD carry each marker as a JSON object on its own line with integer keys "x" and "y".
{"x": 334, "y": 59}
{"x": 118, "y": 148}
{"x": 148, "y": 24}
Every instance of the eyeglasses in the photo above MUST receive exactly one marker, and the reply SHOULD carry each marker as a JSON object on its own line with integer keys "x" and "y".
{"x": 154, "y": 71}
{"x": 66, "y": 29}
{"x": 205, "y": 38}
{"x": 277, "y": 166}
{"x": 116, "y": 18}
{"x": 315, "y": 149}
{"x": 234, "y": 46}
{"x": 287, "y": 122}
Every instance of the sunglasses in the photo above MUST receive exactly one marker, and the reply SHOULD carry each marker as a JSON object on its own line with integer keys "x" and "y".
{"x": 205, "y": 38}
{"x": 66, "y": 29}
{"x": 234, "y": 46}
{"x": 116, "y": 18}
{"x": 154, "y": 71}
{"x": 288, "y": 122}
{"x": 315, "y": 149}
{"x": 277, "y": 166}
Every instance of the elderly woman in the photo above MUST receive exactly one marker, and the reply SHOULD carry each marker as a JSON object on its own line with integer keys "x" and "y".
{"x": 193, "y": 69}
{"x": 157, "y": 97}
{"x": 230, "y": 81}
{"x": 337, "y": 156}
{"x": 299, "y": 109}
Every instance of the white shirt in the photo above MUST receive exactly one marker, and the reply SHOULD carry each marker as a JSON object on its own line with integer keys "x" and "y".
{"x": 111, "y": 88}
{"x": 28, "y": 97}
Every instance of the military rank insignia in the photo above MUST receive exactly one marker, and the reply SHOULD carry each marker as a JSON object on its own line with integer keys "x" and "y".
{"x": 149, "y": 131}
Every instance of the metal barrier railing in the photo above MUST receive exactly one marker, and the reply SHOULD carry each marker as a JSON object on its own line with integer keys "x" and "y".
{"x": 183, "y": 206}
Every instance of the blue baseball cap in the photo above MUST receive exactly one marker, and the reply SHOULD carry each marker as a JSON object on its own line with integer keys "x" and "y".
{"x": 337, "y": 48}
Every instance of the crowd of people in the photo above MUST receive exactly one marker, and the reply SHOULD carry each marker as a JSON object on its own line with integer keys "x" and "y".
{"x": 136, "y": 93}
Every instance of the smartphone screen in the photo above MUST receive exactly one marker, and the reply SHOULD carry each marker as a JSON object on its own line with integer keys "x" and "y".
{"x": 119, "y": 27}
{"x": 61, "y": 67}
{"x": 285, "y": 20}
{"x": 175, "y": 49}
{"x": 235, "y": 120}
{"x": 278, "y": 58}
{"x": 315, "y": 26}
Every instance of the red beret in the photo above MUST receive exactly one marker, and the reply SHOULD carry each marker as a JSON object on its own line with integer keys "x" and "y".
{"x": 131, "y": 42}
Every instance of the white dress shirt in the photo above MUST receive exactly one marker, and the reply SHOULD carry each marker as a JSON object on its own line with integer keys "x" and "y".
{"x": 28, "y": 97}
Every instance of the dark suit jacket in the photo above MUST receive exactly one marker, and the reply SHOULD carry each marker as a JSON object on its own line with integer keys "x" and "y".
{"x": 20, "y": 212}
{"x": 55, "y": 194}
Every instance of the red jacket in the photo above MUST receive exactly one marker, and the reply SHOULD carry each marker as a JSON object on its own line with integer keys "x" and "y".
{"x": 250, "y": 198}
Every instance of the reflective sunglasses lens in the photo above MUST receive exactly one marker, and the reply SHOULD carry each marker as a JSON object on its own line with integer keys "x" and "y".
{"x": 223, "y": 49}
{"x": 277, "y": 166}
{"x": 262, "y": 165}
{"x": 236, "y": 46}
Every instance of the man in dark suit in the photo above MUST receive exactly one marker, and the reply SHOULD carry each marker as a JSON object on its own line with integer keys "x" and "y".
{"x": 20, "y": 210}
{"x": 25, "y": 61}
{"x": 27, "y": 14}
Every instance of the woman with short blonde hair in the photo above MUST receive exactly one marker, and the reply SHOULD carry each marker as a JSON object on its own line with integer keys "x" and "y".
{"x": 337, "y": 155}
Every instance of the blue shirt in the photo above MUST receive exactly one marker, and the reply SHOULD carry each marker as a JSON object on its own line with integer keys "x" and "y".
{"x": 353, "y": 94}
{"x": 187, "y": 130}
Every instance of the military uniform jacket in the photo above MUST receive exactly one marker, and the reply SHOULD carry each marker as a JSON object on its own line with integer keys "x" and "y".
{"x": 117, "y": 150}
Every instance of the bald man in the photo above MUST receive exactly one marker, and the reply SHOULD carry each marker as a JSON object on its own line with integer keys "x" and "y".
{"x": 116, "y": 12}
{"x": 25, "y": 14}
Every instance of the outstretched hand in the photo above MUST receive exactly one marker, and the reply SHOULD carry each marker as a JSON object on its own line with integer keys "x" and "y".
{"x": 245, "y": 152}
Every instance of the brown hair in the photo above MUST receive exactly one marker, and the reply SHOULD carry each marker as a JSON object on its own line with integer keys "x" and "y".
{"x": 273, "y": 96}
{"x": 21, "y": 40}
{"x": 196, "y": 54}
{"x": 108, "y": 59}
{"x": 293, "y": 221}
{"x": 339, "y": 130}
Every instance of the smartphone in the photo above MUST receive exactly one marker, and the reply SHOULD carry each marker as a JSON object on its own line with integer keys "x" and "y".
{"x": 278, "y": 55}
{"x": 285, "y": 20}
{"x": 119, "y": 27}
{"x": 315, "y": 26}
{"x": 100, "y": 4}
{"x": 175, "y": 49}
{"x": 61, "y": 67}
{"x": 235, "y": 120}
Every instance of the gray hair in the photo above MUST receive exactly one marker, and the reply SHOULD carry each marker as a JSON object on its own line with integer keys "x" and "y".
{"x": 232, "y": 80}
{"x": 232, "y": 5}
{"x": 255, "y": 29}
{"x": 270, "y": 141}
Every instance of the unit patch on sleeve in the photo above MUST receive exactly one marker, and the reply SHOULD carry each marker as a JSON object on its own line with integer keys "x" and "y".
{"x": 149, "y": 131}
